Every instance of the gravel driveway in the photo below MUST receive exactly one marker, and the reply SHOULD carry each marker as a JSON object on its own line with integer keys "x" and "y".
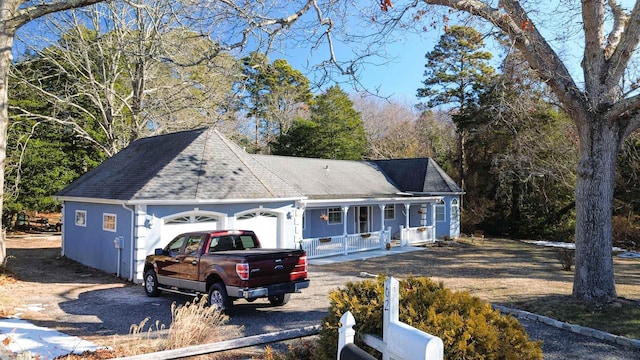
{"x": 112, "y": 311}
{"x": 97, "y": 305}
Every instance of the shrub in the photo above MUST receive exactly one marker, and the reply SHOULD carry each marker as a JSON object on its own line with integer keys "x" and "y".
{"x": 301, "y": 349}
{"x": 566, "y": 258}
{"x": 468, "y": 327}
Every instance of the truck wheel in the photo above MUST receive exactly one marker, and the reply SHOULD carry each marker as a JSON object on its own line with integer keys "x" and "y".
{"x": 218, "y": 297}
{"x": 151, "y": 283}
{"x": 279, "y": 300}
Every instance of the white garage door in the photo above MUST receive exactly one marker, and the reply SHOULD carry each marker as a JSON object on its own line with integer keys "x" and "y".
{"x": 175, "y": 226}
{"x": 264, "y": 224}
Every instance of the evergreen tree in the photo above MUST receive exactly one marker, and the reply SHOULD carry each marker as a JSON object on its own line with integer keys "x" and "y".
{"x": 335, "y": 130}
{"x": 457, "y": 73}
{"x": 277, "y": 94}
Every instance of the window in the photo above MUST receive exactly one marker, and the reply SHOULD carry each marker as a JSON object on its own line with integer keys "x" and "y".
{"x": 440, "y": 213}
{"x": 174, "y": 246}
{"x": 109, "y": 222}
{"x": 81, "y": 218}
{"x": 389, "y": 212}
{"x": 335, "y": 215}
{"x": 193, "y": 245}
{"x": 454, "y": 210}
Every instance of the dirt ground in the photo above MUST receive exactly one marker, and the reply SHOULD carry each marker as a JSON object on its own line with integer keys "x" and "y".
{"x": 497, "y": 270}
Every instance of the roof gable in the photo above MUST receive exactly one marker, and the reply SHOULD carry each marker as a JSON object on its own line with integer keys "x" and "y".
{"x": 421, "y": 175}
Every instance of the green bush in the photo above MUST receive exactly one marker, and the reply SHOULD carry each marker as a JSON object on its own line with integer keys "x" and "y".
{"x": 468, "y": 326}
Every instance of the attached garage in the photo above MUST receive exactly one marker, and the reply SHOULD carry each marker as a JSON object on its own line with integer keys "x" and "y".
{"x": 264, "y": 224}
{"x": 194, "y": 221}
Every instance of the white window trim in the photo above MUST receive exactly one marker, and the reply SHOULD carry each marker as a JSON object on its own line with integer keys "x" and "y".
{"x": 339, "y": 211}
{"x": 444, "y": 213}
{"x": 115, "y": 222}
{"x": 393, "y": 210}
{"x": 84, "y": 217}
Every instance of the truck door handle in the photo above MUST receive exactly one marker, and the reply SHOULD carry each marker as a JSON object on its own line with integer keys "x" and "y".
{"x": 194, "y": 262}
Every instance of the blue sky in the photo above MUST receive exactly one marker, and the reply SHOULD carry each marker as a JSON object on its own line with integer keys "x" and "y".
{"x": 398, "y": 78}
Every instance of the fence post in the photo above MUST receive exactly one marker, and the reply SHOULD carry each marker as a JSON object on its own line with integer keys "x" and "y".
{"x": 346, "y": 332}
{"x": 402, "y": 341}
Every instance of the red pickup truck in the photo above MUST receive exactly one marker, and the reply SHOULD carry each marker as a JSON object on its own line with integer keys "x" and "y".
{"x": 227, "y": 265}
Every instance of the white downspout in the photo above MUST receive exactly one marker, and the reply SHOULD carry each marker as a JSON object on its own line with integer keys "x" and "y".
{"x": 132, "y": 243}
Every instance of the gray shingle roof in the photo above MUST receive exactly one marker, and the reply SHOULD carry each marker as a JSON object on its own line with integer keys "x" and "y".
{"x": 321, "y": 178}
{"x": 421, "y": 175}
{"x": 203, "y": 165}
{"x": 190, "y": 165}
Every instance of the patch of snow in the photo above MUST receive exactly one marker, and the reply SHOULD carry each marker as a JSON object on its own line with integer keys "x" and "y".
{"x": 623, "y": 252}
{"x": 20, "y": 336}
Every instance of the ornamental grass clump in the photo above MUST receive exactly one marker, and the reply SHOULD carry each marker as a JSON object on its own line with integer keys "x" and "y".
{"x": 194, "y": 323}
{"x": 468, "y": 326}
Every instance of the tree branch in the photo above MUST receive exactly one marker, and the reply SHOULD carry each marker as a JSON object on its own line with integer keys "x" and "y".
{"x": 541, "y": 57}
{"x": 27, "y": 14}
{"x": 629, "y": 39}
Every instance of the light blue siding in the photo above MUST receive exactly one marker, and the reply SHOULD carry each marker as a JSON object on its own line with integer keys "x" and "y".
{"x": 90, "y": 244}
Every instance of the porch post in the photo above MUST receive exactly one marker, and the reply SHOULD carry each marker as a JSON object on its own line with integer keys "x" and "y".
{"x": 433, "y": 220}
{"x": 406, "y": 215}
{"x": 345, "y": 247}
{"x": 382, "y": 237}
{"x": 404, "y": 237}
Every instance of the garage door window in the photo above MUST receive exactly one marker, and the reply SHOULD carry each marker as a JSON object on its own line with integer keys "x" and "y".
{"x": 256, "y": 214}
{"x": 190, "y": 219}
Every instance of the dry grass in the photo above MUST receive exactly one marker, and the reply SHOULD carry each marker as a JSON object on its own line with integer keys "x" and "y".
{"x": 193, "y": 323}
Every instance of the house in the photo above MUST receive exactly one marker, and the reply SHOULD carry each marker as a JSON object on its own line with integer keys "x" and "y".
{"x": 158, "y": 187}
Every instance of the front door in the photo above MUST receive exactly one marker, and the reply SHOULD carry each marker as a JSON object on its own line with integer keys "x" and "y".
{"x": 363, "y": 216}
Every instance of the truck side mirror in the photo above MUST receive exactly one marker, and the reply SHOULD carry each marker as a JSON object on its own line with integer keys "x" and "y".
{"x": 159, "y": 251}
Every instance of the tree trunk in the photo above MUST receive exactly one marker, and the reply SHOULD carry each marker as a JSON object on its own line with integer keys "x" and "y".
{"x": 6, "y": 43}
{"x": 594, "y": 275}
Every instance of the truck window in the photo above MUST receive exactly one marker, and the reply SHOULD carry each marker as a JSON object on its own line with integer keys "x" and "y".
{"x": 248, "y": 242}
{"x": 174, "y": 246}
{"x": 221, "y": 243}
{"x": 193, "y": 245}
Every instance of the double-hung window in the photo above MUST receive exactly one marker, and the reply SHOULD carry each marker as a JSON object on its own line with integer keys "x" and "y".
{"x": 335, "y": 215}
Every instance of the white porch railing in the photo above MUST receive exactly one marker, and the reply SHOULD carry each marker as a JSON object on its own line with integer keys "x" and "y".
{"x": 344, "y": 245}
{"x": 417, "y": 235}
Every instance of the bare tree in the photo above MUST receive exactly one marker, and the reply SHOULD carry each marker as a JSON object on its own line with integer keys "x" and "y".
{"x": 390, "y": 127}
{"x": 228, "y": 24}
{"x": 125, "y": 71}
{"x": 605, "y": 108}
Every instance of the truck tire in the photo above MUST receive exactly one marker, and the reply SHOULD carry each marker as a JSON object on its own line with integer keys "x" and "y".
{"x": 218, "y": 297}
{"x": 151, "y": 283}
{"x": 279, "y": 300}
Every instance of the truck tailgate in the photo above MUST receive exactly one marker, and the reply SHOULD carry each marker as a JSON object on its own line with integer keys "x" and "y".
{"x": 270, "y": 266}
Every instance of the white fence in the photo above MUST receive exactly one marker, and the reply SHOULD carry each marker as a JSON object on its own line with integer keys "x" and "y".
{"x": 399, "y": 340}
{"x": 344, "y": 245}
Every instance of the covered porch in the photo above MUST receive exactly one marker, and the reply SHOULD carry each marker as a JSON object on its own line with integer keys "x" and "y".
{"x": 332, "y": 228}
